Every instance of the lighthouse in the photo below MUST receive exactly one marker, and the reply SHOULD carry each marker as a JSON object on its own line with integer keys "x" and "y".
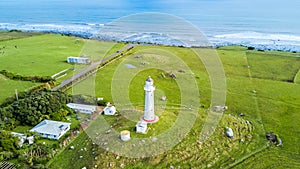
{"x": 149, "y": 115}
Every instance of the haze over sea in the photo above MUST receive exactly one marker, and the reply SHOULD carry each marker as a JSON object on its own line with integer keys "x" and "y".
{"x": 264, "y": 24}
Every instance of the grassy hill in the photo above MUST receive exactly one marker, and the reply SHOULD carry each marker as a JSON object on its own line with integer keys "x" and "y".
{"x": 259, "y": 85}
{"x": 31, "y": 54}
{"x": 262, "y": 85}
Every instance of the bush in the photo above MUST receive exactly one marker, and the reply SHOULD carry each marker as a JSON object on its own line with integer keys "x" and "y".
{"x": 14, "y": 76}
{"x": 39, "y": 105}
{"x": 251, "y": 48}
{"x": 6, "y": 155}
{"x": 102, "y": 102}
{"x": 83, "y": 99}
{"x": 39, "y": 166}
{"x": 15, "y": 30}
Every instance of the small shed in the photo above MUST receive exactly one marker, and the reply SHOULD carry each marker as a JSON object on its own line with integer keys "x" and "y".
{"x": 141, "y": 127}
{"x": 30, "y": 139}
{"x": 78, "y": 60}
{"x": 22, "y": 138}
{"x": 109, "y": 109}
{"x": 82, "y": 108}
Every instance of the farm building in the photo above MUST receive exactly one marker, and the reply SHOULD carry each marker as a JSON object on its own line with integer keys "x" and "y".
{"x": 78, "y": 60}
{"x": 82, "y": 108}
{"x": 51, "y": 129}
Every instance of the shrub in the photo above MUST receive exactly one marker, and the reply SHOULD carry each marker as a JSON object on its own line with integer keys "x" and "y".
{"x": 251, "y": 48}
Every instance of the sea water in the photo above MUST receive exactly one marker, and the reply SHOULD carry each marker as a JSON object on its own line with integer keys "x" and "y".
{"x": 264, "y": 24}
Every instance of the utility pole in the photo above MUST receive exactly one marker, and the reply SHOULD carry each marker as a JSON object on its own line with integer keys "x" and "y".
{"x": 16, "y": 91}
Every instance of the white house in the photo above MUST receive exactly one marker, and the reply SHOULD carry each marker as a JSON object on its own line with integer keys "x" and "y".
{"x": 78, "y": 60}
{"x": 82, "y": 108}
{"x": 51, "y": 129}
{"x": 109, "y": 109}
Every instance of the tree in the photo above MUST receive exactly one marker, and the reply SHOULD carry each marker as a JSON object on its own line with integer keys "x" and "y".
{"x": 38, "y": 106}
{"x": 8, "y": 142}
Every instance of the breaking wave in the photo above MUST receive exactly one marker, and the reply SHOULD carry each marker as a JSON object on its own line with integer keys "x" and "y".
{"x": 263, "y": 41}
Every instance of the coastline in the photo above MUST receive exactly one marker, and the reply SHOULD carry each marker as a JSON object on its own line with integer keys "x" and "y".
{"x": 252, "y": 40}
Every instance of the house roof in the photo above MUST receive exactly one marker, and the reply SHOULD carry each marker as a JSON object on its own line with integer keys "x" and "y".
{"x": 74, "y": 57}
{"x": 50, "y": 127}
{"x": 110, "y": 108}
{"x": 81, "y": 106}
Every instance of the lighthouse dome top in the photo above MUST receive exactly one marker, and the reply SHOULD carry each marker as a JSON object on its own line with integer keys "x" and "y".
{"x": 149, "y": 79}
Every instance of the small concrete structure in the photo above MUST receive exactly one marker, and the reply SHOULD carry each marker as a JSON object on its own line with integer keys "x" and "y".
{"x": 30, "y": 139}
{"x": 229, "y": 132}
{"x": 109, "y": 109}
{"x": 220, "y": 108}
{"x": 82, "y": 108}
{"x": 141, "y": 127}
{"x": 78, "y": 60}
{"x": 100, "y": 98}
{"x": 22, "y": 138}
{"x": 51, "y": 129}
{"x": 125, "y": 135}
{"x": 172, "y": 75}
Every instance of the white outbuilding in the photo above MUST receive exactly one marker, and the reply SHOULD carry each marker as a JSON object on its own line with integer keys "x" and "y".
{"x": 78, "y": 60}
{"x": 141, "y": 127}
{"x": 109, "y": 109}
{"x": 22, "y": 138}
{"x": 82, "y": 108}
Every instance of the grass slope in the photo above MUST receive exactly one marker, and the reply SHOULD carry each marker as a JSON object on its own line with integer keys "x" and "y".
{"x": 261, "y": 85}
{"x": 258, "y": 85}
{"x": 9, "y": 35}
{"x": 297, "y": 77}
{"x": 7, "y": 87}
{"x": 43, "y": 55}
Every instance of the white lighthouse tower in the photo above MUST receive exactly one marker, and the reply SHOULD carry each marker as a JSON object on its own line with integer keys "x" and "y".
{"x": 149, "y": 115}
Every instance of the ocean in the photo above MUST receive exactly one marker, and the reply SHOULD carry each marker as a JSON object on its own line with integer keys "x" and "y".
{"x": 264, "y": 24}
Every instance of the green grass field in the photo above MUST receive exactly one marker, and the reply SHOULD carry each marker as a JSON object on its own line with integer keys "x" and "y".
{"x": 259, "y": 85}
{"x": 297, "y": 78}
{"x": 44, "y": 55}
{"x": 7, "y": 87}
{"x": 276, "y": 102}
{"x": 5, "y": 35}
{"x": 263, "y": 85}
